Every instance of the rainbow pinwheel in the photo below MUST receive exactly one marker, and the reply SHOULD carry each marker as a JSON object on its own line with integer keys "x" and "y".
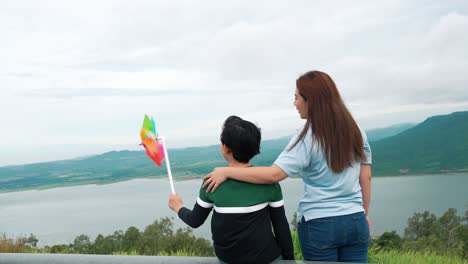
{"x": 155, "y": 151}
{"x": 149, "y": 139}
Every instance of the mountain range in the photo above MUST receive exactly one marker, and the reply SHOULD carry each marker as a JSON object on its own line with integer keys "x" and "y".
{"x": 381, "y": 133}
{"x": 437, "y": 145}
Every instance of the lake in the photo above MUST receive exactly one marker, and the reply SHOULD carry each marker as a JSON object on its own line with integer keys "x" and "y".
{"x": 58, "y": 215}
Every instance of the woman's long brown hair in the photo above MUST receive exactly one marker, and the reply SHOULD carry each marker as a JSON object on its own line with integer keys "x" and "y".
{"x": 333, "y": 126}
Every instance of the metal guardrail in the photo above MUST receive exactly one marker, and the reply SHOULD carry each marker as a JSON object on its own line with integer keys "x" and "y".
{"x": 26, "y": 258}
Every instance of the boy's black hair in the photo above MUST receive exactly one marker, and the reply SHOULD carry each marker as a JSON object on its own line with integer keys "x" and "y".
{"x": 241, "y": 137}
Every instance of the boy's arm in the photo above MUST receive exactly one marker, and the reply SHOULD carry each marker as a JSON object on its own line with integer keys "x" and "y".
{"x": 281, "y": 229}
{"x": 195, "y": 217}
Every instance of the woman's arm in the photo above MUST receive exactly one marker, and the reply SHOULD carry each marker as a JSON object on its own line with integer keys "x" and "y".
{"x": 258, "y": 175}
{"x": 365, "y": 182}
{"x": 365, "y": 177}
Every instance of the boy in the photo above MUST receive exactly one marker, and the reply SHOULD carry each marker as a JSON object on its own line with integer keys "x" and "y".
{"x": 243, "y": 212}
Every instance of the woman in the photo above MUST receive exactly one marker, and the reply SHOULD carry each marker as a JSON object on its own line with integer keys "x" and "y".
{"x": 332, "y": 156}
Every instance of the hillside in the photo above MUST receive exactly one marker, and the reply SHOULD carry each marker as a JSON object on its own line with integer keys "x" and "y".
{"x": 381, "y": 133}
{"x": 437, "y": 145}
{"x": 124, "y": 165}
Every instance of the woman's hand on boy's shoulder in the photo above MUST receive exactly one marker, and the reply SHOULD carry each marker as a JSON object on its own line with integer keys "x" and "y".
{"x": 214, "y": 179}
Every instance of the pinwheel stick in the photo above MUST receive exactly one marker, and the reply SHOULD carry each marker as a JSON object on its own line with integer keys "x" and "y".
{"x": 168, "y": 163}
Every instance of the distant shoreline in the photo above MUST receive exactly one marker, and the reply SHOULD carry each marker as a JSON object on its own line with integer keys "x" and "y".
{"x": 48, "y": 187}
{"x": 420, "y": 175}
{"x": 188, "y": 178}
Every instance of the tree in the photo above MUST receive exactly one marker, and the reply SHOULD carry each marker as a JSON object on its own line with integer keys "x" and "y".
{"x": 31, "y": 241}
{"x": 131, "y": 239}
{"x": 59, "y": 249}
{"x": 184, "y": 240}
{"x": 102, "y": 245}
{"x": 449, "y": 223}
{"x": 389, "y": 240}
{"x": 445, "y": 235}
{"x": 117, "y": 241}
{"x": 464, "y": 219}
{"x": 421, "y": 225}
{"x": 160, "y": 237}
{"x": 463, "y": 234}
{"x": 82, "y": 244}
{"x": 157, "y": 238}
{"x": 430, "y": 244}
{"x": 154, "y": 238}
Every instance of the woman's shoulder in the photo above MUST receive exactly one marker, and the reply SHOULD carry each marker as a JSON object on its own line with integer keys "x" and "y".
{"x": 297, "y": 134}
{"x": 363, "y": 133}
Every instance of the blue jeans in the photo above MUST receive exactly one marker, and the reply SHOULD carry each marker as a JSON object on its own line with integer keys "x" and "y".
{"x": 342, "y": 238}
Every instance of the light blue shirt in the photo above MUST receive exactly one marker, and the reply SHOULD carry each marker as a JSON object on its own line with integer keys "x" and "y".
{"x": 326, "y": 193}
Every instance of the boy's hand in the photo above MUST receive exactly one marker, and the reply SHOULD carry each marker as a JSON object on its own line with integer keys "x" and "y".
{"x": 175, "y": 202}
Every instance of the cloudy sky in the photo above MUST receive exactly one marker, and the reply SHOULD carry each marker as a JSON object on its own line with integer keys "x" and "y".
{"x": 76, "y": 77}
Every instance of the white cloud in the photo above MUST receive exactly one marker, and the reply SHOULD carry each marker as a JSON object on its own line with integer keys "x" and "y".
{"x": 83, "y": 73}
{"x": 449, "y": 35}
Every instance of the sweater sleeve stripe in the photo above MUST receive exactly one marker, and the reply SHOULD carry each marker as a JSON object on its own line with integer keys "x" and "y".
{"x": 276, "y": 204}
{"x": 203, "y": 203}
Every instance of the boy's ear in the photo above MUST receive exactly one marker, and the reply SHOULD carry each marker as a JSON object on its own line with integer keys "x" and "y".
{"x": 226, "y": 149}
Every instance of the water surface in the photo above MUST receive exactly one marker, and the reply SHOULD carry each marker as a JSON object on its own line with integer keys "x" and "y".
{"x": 58, "y": 215}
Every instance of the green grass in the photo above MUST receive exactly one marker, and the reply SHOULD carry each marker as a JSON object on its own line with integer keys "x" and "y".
{"x": 181, "y": 253}
{"x": 375, "y": 256}
{"x": 397, "y": 257}
{"x": 296, "y": 245}
{"x": 125, "y": 253}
